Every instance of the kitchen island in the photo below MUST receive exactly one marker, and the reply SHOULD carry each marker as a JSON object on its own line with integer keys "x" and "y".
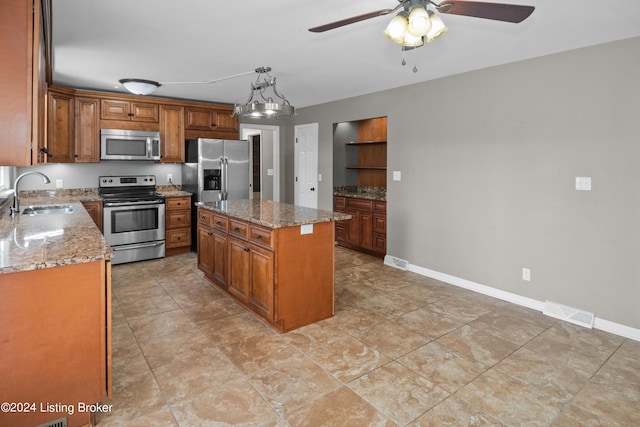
{"x": 55, "y": 312}
{"x": 276, "y": 259}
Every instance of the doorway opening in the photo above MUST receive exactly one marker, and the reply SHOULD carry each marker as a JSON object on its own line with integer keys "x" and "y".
{"x": 264, "y": 142}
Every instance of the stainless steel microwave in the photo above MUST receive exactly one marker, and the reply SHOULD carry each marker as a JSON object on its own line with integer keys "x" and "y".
{"x": 119, "y": 144}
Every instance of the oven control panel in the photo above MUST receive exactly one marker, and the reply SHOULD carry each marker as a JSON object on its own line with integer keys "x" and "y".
{"x": 127, "y": 181}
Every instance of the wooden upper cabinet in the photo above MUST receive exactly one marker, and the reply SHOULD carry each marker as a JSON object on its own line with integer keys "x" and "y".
{"x": 172, "y": 133}
{"x": 60, "y": 127}
{"x": 24, "y": 81}
{"x": 113, "y": 109}
{"x": 210, "y": 119}
{"x": 87, "y": 135}
{"x": 372, "y": 130}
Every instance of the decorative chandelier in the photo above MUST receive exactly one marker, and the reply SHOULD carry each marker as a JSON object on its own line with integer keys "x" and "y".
{"x": 264, "y": 101}
{"x": 415, "y": 23}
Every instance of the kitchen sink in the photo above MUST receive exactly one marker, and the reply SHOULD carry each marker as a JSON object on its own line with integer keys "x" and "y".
{"x": 47, "y": 210}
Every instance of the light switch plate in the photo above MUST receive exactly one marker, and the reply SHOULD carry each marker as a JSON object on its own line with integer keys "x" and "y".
{"x": 270, "y": 172}
{"x": 306, "y": 229}
{"x": 397, "y": 175}
{"x": 59, "y": 183}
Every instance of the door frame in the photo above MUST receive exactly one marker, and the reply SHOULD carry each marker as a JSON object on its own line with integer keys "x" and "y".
{"x": 248, "y": 129}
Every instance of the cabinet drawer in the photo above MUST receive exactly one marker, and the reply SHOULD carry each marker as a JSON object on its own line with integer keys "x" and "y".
{"x": 339, "y": 203}
{"x": 260, "y": 235}
{"x": 380, "y": 207}
{"x": 360, "y": 204}
{"x": 178, "y": 238}
{"x": 178, "y": 219}
{"x": 220, "y": 222}
{"x": 238, "y": 228}
{"x": 205, "y": 217}
{"x": 173, "y": 203}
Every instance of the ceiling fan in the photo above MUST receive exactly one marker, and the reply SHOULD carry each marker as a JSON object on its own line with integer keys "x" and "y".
{"x": 495, "y": 11}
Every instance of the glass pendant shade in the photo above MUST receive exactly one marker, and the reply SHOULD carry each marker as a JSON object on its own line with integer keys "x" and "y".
{"x": 419, "y": 22}
{"x": 437, "y": 27}
{"x": 397, "y": 28}
{"x": 412, "y": 41}
{"x": 139, "y": 86}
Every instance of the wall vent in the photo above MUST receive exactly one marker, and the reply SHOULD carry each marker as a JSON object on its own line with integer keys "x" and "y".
{"x": 396, "y": 262}
{"x": 60, "y": 422}
{"x": 569, "y": 314}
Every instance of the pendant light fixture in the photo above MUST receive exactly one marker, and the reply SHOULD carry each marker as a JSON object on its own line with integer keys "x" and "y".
{"x": 264, "y": 101}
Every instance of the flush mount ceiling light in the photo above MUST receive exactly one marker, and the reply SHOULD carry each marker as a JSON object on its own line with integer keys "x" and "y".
{"x": 264, "y": 101}
{"x": 147, "y": 87}
{"x": 139, "y": 86}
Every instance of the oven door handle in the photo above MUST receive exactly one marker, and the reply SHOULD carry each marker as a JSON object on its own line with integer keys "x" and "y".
{"x": 139, "y": 246}
{"x": 146, "y": 202}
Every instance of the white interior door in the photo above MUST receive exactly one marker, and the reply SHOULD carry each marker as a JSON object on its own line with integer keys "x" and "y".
{"x": 306, "y": 165}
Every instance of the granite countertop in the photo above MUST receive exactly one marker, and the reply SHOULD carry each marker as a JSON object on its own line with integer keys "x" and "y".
{"x": 172, "y": 191}
{"x": 44, "y": 241}
{"x": 273, "y": 214}
{"x": 362, "y": 192}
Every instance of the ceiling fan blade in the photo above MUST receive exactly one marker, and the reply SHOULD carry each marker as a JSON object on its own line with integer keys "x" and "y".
{"x": 352, "y": 20}
{"x": 497, "y": 11}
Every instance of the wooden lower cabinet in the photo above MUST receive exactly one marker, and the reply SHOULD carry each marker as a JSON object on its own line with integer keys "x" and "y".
{"x": 283, "y": 276}
{"x": 94, "y": 209}
{"x": 366, "y": 231}
{"x": 177, "y": 225}
{"x": 55, "y": 343}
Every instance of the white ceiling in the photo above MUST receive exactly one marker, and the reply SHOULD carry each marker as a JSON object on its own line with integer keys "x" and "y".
{"x": 98, "y": 42}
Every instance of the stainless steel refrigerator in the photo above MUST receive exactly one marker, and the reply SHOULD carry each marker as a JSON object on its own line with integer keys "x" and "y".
{"x": 215, "y": 170}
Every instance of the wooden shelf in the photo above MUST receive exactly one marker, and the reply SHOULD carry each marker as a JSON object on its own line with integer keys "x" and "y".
{"x": 382, "y": 168}
{"x": 365, "y": 142}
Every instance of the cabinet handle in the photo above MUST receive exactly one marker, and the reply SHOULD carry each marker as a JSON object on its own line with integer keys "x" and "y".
{"x": 258, "y": 236}
{"x": 246, "y": 249}
{"x": 236, "y": 229}
{"x": 202, "y": 217}
{"x": 209, "y": 233}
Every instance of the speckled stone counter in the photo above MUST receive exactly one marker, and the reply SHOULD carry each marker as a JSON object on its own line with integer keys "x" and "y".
{"x": 172, "y": 191}
{"x": 273, "y": 214}
{"x": 362, "y": 192}
{"x": 44, "y": 241}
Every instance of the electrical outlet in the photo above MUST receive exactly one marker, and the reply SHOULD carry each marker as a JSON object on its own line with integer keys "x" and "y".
{"x": 58, "y": 183}
{"x": 170, "y": 177}
{"x": 526, "y": 274}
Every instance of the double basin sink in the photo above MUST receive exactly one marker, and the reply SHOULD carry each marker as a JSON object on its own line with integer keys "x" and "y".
{"x": 47, "y": 210}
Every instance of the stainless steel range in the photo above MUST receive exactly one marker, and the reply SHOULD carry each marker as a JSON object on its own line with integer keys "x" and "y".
{"x": 133, "y": 217}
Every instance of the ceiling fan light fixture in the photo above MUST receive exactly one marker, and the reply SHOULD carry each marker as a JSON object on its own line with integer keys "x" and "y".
{"x": 437, "y": 27}
{"x": 397, "y": 27}
{"x": 419, "y": 22}
{"x": 412, "y": 41}
{"x": 140, "y": 86}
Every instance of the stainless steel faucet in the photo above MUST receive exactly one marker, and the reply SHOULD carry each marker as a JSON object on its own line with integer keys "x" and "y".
{"x": 16, "y": 200}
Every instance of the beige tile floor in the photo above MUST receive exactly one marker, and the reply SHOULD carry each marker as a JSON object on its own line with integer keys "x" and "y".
{"x": 402, "y": 349}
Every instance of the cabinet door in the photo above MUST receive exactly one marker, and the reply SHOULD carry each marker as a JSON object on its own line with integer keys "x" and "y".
{"x": 199, "y": 118}
{"x": 352, "y": 227}
{"x": 205, "y": 250}
{"x": 172, "y": 133}
{"x": 224, "y": 122}
{"x": 220, "y": 264}
{"x": 111, "y": 109}
{"x": 87, "y": 132}
{"x": 60, "y": 132}
{"x": 366, "y": 230}
{"x": 144, "y": 112}
{"x": 238, "y": 283}
{"x": 94, "y": 209}
{"x": 261, "y": 281}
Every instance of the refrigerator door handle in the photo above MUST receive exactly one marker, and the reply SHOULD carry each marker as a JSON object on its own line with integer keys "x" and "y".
{"x": 223, "y": 179}
{"x": 226, "y": 178}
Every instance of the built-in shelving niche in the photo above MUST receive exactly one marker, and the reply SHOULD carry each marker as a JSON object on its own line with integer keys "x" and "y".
{"x": 360, "y": 153}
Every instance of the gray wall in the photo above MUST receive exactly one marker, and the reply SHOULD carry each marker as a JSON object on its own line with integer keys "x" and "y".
{"x": 489, "y": 160}
{"x": 266, "y": 161}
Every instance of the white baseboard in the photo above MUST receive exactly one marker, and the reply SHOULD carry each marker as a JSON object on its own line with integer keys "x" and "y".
{"x": 601, "y": 324}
